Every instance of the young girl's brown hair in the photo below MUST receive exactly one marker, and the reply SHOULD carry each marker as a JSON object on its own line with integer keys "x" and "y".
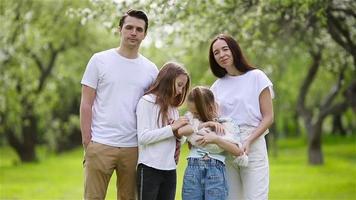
{"x": 164, "y": 89}
{"x": 204, "y": 101}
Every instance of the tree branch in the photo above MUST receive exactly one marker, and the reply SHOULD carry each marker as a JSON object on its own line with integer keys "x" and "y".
{"x": 345, "y": 11}
{"x": 334, "y": 90}
{"x": 313, "y": 69}
{"x": 47, "y": 71}
{"x": 336, "y": 31}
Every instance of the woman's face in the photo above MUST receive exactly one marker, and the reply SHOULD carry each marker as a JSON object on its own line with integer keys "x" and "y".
{"x": 223, "y": 54}
{"x": 180, "y": 84}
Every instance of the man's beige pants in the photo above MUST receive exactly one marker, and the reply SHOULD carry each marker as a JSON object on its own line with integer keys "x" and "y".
{"x": 100, "y": 161}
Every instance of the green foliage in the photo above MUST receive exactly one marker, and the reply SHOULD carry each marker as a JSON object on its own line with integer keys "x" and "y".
{"x": 45, "y": 46}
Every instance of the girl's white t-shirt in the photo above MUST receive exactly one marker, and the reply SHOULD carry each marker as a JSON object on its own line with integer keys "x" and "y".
{"x": 238, "y": 96}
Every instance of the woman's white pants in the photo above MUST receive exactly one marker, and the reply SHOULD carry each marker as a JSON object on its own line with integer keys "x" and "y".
{"x": 251, "y": 182}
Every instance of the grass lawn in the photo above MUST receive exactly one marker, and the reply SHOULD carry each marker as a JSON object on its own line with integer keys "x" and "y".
{"x": 60, "y": 177}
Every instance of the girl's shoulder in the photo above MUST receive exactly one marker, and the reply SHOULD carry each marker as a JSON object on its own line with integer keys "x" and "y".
{"x": 149, "y": 98}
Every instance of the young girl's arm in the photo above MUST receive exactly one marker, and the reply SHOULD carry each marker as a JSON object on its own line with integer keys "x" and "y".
{"x": 216, "y": 126}
{"x": 147, "y": 130}
{"x": 211, "y": 137}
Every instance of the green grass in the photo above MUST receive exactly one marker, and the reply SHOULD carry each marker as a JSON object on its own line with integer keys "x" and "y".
{"x": 60, "y": 177}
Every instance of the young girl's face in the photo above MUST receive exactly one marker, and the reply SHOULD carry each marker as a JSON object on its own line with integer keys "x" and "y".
{"x": 192, "y": 109}
{"x": 180, "y": 84}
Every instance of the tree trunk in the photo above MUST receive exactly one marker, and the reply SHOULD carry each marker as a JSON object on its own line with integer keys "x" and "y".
{"x": 315, "y": 154}
{"x": 338, "y": 127}
{"x": 25, "y": 145}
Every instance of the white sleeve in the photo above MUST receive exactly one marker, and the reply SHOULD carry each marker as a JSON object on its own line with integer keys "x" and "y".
{"x": 146, "y": 128}
{"x": 91, "y": 74}
{"x": 214, "y": 88}
{"x": 262, "y": 82}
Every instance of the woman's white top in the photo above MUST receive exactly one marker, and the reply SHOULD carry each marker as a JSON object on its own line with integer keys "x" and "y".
{"x": 238, "y": 96}
{"x": 156, "y": 144}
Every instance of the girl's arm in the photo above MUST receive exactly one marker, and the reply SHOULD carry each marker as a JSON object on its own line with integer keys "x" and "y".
{"x": 147, "y": 131}
{"x": 216, "y": 126}
{"x": 266, "y": 108}
{"x": 211, "y": 137}
{"x": 186, "y": 130}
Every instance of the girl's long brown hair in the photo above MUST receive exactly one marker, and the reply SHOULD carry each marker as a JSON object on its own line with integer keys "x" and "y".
{"x": 164, "y": 89}
{"x": 203, "y": 99}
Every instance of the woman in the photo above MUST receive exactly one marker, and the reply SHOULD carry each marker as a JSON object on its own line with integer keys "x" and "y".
{"x": 157, "y": 126}
{"x": 244, "y": 94}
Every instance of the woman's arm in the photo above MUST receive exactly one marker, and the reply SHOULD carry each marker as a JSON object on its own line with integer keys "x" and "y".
{"x": 266, "y": 108}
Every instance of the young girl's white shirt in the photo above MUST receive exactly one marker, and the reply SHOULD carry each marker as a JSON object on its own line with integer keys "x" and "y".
{"x": 238, "y": 96}
{"x": 156, "y": 144}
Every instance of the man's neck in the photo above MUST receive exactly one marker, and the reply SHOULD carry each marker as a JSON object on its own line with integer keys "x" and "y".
{"x": 130, "y": 53}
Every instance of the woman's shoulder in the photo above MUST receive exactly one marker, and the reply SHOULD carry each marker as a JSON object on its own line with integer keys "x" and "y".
{"x": 256, "y": 72}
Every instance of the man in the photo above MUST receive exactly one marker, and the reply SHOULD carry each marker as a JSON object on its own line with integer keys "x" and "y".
{"x": 112, "y": 84}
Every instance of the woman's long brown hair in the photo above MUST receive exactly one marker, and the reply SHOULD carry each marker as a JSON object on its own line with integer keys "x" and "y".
{"x": 203, "y": 99}
{"x": 164, "y": 89}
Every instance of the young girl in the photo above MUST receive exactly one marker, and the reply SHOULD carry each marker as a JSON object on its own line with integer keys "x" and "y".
{"x": 205, "y": 174}
{"x": 157, "y": 124}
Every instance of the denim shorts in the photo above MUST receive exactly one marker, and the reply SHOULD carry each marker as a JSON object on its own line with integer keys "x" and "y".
{"x": 204, "y": 179}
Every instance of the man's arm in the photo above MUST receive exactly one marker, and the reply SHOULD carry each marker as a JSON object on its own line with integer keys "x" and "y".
{"x": 86, "y": 104}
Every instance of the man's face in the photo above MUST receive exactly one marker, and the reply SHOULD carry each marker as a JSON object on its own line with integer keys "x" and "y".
{"x": 132, "y": 31}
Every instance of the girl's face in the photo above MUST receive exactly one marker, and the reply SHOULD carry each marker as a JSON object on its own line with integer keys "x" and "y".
{"x": 223, "y": 54}
{"x": 180, "y": 84}
{"x": 192, "y": 109}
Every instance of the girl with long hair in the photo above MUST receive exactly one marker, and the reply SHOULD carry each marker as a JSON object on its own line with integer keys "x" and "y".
{"x": 157, "y": 126}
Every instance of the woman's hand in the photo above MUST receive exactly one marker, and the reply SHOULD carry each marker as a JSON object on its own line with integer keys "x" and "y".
{"x": 246, "y": 146}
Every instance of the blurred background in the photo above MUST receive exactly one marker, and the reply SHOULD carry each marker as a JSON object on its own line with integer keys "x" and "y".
{"x": 306, "y": 47}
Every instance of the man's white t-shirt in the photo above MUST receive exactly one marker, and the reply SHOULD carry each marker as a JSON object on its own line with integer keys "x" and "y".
{"x": 119, "y": 83}
{"x": 238, "y": 96}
